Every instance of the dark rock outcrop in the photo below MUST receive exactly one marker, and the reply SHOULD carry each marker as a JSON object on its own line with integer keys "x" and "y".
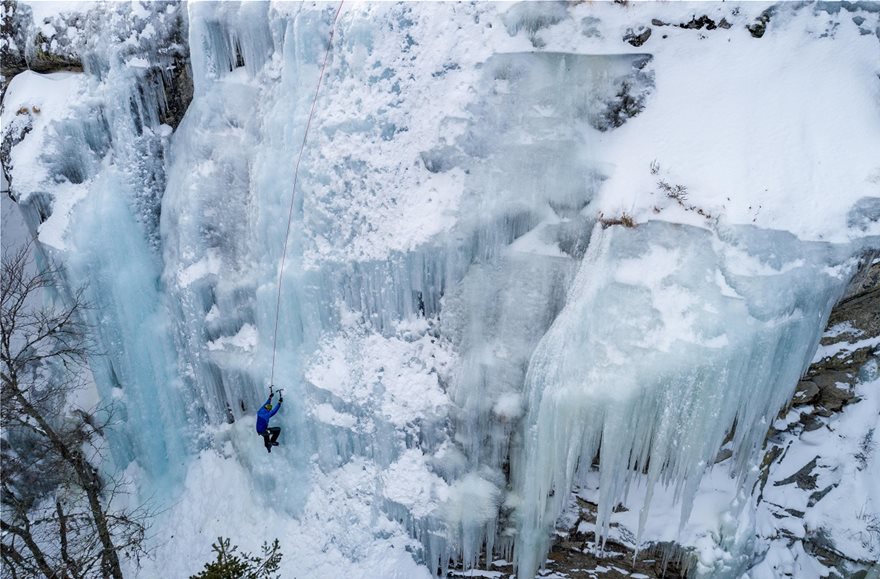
{"x": 64, "y": 43}
{"x": 759, "y": 27}
{"x": 828, "y": 387}
{"x": 695, "y": 23}
{"x": 637, "y": 37}
{"x": 698, "y": 23}
{"x": 804, "y": 478}
{"x": 12, "y": 135}
{"x": 629, "y": 98}
{"x": 55, "y": 53}
{"x": 27, "y": 47}
{"x": 13, "y": 31}
{"x": 577, "y": 554}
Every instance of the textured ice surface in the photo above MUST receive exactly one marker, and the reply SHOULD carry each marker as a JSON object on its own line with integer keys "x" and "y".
{"x": 445, "y": 320}
{"x": 90, "y": 175}
{"x": 672, "y": 337}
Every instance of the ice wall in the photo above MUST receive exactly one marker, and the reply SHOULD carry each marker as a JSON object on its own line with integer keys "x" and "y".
{"x": 673, "y": 338}
{"x": 407, "y": 343}
{"x": 452, "y": 317}
{"x": 89, "y": 173}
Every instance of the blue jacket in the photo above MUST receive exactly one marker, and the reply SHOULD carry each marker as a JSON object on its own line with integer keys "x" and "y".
{"x": 264, "y": 415}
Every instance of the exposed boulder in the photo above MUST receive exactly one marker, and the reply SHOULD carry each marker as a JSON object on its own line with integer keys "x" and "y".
{"x": 804, "y": 478}
{"x": 700, "y": 23}
{"x": 805, "y": 393}
{"x": 759, "y": 27}
{"x": 638, "y": 36}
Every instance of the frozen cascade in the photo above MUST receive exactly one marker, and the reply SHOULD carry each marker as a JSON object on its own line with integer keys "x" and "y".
{"x": 673, "y": 338}
{"x": 486, "y": 288}
{"x": 449, "y": 327}
{"x": 133, "y": 329}
{"x": 112, "y": 145}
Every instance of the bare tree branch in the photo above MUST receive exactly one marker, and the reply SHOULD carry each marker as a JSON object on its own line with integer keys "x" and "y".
{"x": 24, "y": 534}
{"x": 43, "y": 351}
{"x": 15, "y": 560}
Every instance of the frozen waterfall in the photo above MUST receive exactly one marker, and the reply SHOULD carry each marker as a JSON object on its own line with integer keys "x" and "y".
{"x": 465, "y": 331}
{"x": 672, "y": 339}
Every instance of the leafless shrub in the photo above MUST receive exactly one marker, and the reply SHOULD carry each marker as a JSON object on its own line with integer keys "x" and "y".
{"x": 869, "y": 537}
{"x": 866, "y": 446}
{"x": 625, "y": 219}
{"x": 677, "y": 192}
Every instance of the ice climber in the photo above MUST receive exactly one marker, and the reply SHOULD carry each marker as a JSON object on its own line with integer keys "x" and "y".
{"x": 269, "y": 433}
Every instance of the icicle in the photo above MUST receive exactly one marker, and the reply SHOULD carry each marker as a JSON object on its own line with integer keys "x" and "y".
{"x": 670, "y": 336}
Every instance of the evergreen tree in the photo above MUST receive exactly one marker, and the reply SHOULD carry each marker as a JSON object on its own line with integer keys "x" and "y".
{"x": 231, "y": 564}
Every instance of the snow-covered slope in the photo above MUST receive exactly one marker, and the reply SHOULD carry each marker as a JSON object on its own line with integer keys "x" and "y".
{"x": 534, "y": 247}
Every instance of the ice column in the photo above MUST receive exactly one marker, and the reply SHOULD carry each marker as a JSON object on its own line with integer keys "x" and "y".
{"x": 105, "y": 170}
{"x": 671, "y": 338}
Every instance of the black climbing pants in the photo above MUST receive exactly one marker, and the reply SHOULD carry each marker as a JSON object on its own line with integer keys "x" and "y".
{"x": 273, "y": 432}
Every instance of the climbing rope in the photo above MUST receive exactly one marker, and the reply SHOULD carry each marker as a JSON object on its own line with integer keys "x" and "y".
{"x": 293, "y": 192}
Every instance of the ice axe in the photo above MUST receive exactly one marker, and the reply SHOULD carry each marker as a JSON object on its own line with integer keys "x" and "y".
{"x": 272, "y": 392}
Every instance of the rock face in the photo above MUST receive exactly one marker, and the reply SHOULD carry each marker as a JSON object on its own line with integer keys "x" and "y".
{"x": 575, "y": 555}
{"x": 13, "y": 135}
{"x": 859, "y": 303}
{"x": 14, "y": 23}
{"x": 63, "y": 42}
{"x": 29, "y": 45}
{"x": 827, "y": 437}
{"x": 78, "y": 41}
